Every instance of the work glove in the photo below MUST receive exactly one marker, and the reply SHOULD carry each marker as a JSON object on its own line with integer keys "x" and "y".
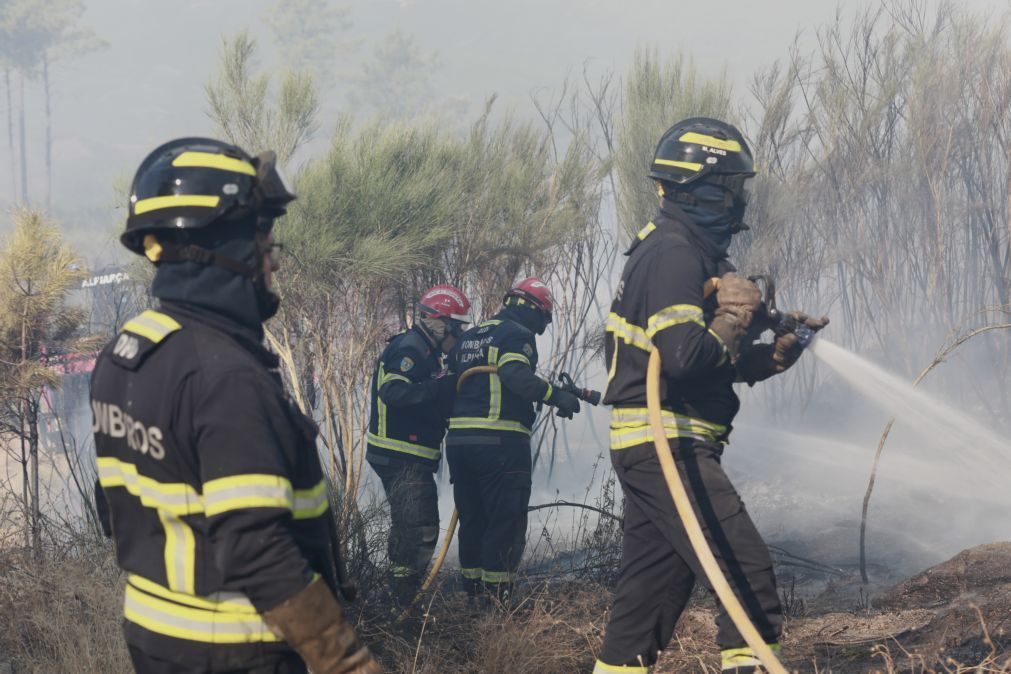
{"x": 312, "y": 622}
{"x": 730, "y": 324}
{"x": 737, "y": 291}
{"x": 567, "y": 403}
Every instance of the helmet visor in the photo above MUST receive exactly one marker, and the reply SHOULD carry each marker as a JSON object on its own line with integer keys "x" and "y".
{"x": 272, "y": 190}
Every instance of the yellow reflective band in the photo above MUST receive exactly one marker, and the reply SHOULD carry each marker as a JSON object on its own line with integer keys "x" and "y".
{"x": 630, "y": 334}
{"x": 393, "y": 376}
{"x": 152, "y": 325}
{"x": 494, "y": 386}
{"x": 404, "y": 446}
{"x": 732, "y": 658}
{"x": 233, "y": 602}
{"x": 514, "y": 357}
{"x": 180, "y": 553}
{"x": 630, "y": 427}
{"x": 215, "y": 161}
{"x": 471, "y": 574}
{"x": 399, "y": 571}
{"x": 174, "y": 201}
{"x": 645, "y": 231}
{"x": 547, "y": 394}
{"x": 711, "y": 141}
{"x": 498, "y": 576}
{"x": 674, "y": 315}
{"x": 480, "y": 423}
{"x": 176, "y": 498}
{"x": 311, "y": 502}
{"x": 194, "y": 624}
{"x": 687, "y": 165}
{"x": 723, "y": 346}
{"x": 238, "y": 492}
{"x": 604, "y": 668}
{"x": 381, "y": 412}
{"x": 614, "y": 360}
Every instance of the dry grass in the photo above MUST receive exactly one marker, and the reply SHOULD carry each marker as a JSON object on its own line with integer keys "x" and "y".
{"x": 62, "y": 615}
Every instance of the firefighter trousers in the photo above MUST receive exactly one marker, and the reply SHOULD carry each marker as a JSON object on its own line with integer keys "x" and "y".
{"x": 491, "y": 487}
{"x": 658, "y": 566}
{"x": 414, "y": 514}
{"x": 289, "y": 663}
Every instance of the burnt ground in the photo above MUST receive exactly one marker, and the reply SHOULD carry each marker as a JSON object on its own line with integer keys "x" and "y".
{"x": 952, "y": 617}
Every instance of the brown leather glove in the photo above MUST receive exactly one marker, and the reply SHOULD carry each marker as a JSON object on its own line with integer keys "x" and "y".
{"x": 312, "y": 622}
{"x": 730, "y": 324}
{"x": 738, "y": 291}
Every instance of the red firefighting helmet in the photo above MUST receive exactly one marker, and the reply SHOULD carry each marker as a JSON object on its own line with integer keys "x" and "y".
{"x": 445, "y": 301}
{"x": 533, "y": 290}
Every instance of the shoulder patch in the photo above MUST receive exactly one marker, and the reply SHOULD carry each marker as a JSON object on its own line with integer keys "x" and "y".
{"x": 528, "y": 350}
{"x": 406, "y": 363}
{"x": 152, "y": 325}
{"x": 140, "y": 336}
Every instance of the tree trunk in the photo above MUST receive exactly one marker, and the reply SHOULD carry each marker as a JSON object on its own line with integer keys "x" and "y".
{"x": 24, "y": 147}
{"x": 49, "y": 132}
{"x": 33, "y": 448}
{"x": 10, "y": 134}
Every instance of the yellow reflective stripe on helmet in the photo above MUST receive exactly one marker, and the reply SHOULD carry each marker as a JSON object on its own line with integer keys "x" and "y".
{"x": 176, "y": 498}
{"x": 152, "y": 325}
{"x": 645, "y": 231}
{"x": 498, "y": 576}
{"x": 215, "y": 161}
{"x": 674, "y": 315}
{"x": 688, "y": 165}
{"x": 482, "y": 423}
{"x": 234, "y": 602}
{"x": 471, "y": 574}
{"x": 604, "y": 668}
{"x": 194, "y": 624}
{"x": 711, "y": 141}
{"x": 629, "y": 333}
{"x": 179, "y": 554}
{"x": 732, "y": 658}
{"x": 311, "y": 502}
{"x": 239, "y": 492}
{"x": 403, "y": 446}
{"x": 514, "y": 357}
{"x": 174, "y": 201}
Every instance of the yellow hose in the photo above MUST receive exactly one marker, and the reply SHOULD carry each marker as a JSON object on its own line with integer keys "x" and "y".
{"x": 453, "y": 519}
{"x": 687, "y": 514}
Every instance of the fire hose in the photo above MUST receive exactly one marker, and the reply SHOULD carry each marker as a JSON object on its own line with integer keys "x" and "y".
{"x": 712, "y": 569}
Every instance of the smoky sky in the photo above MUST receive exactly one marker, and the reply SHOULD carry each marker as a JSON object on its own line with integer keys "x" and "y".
{"x": 146, "y": 86}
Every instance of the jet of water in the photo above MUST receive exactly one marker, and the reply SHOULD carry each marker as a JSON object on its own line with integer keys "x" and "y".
{"x": 970, "y": 440}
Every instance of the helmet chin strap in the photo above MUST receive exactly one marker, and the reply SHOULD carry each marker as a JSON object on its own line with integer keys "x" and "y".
{"x": 267, "y": 302}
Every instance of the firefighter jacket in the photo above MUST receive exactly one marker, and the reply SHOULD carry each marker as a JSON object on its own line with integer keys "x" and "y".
{"x": 495, "y": 407}
{"x": 662, "y": 302}
{"x": 218, "y": 503}
{"x": 411, "y": 400}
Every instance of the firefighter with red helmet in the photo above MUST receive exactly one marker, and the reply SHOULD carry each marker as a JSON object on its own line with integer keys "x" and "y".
{"x": 411, "y": 400}
{"x": 210, "y": 479}
{"x": 488, "y": 444}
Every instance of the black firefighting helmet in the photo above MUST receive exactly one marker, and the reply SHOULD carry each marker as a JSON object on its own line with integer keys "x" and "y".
{"x": 192, "y": 183}
{"x": 701, "y": 150}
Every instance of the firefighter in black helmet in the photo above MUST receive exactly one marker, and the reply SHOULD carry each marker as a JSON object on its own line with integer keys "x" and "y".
{"x": 210, "y": 480}
{"x": 701, "y": 168}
